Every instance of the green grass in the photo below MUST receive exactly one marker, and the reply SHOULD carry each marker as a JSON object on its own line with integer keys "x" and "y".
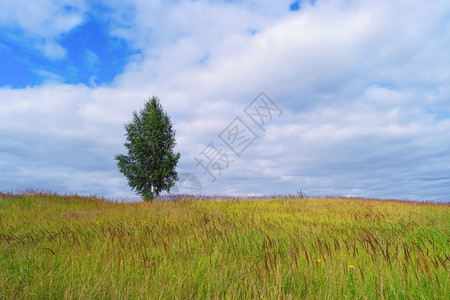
{"x": 65, "y": 247}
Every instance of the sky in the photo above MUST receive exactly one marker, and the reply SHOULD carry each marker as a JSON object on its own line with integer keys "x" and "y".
{"x": 343, "y": 97}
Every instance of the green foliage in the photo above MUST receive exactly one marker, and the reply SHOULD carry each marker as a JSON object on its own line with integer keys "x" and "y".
{"x": 150, "y": 163}
{"x": 69, "y": 247}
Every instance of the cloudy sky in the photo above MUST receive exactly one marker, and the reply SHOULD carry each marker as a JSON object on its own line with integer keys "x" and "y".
{"x": 355, "y": 102}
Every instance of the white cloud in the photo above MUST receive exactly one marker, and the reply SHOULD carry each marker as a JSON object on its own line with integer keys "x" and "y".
{"x": 45, "y": 18}
{"x": 53, "y": 50}
{"x": 90, "y": 59}
{"x": 363, "y": 86}
{"x": 40, "y": 23}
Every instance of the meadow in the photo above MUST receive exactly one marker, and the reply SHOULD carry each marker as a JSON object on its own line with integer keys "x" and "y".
{"x": 72, "y": 247}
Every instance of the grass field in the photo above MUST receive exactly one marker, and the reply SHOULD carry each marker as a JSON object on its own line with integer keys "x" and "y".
{"x": 66, "y": 247}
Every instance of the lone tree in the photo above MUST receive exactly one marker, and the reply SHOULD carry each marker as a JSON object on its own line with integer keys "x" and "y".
{"x": 150, "y": 163}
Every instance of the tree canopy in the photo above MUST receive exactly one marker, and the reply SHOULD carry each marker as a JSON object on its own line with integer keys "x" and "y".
{"x": 150, "y": 163}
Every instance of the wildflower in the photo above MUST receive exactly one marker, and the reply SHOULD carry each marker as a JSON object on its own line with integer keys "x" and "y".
{"x": 352, "y": 267}
{"x": 318, "y": 260}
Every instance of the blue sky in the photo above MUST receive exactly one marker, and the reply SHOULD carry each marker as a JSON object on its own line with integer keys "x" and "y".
{"x": 356, "y": 94}
{"x": 86, "y": 54}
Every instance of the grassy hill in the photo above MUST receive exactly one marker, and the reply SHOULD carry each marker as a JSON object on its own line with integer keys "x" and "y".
{"x": 64, "y": 247}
